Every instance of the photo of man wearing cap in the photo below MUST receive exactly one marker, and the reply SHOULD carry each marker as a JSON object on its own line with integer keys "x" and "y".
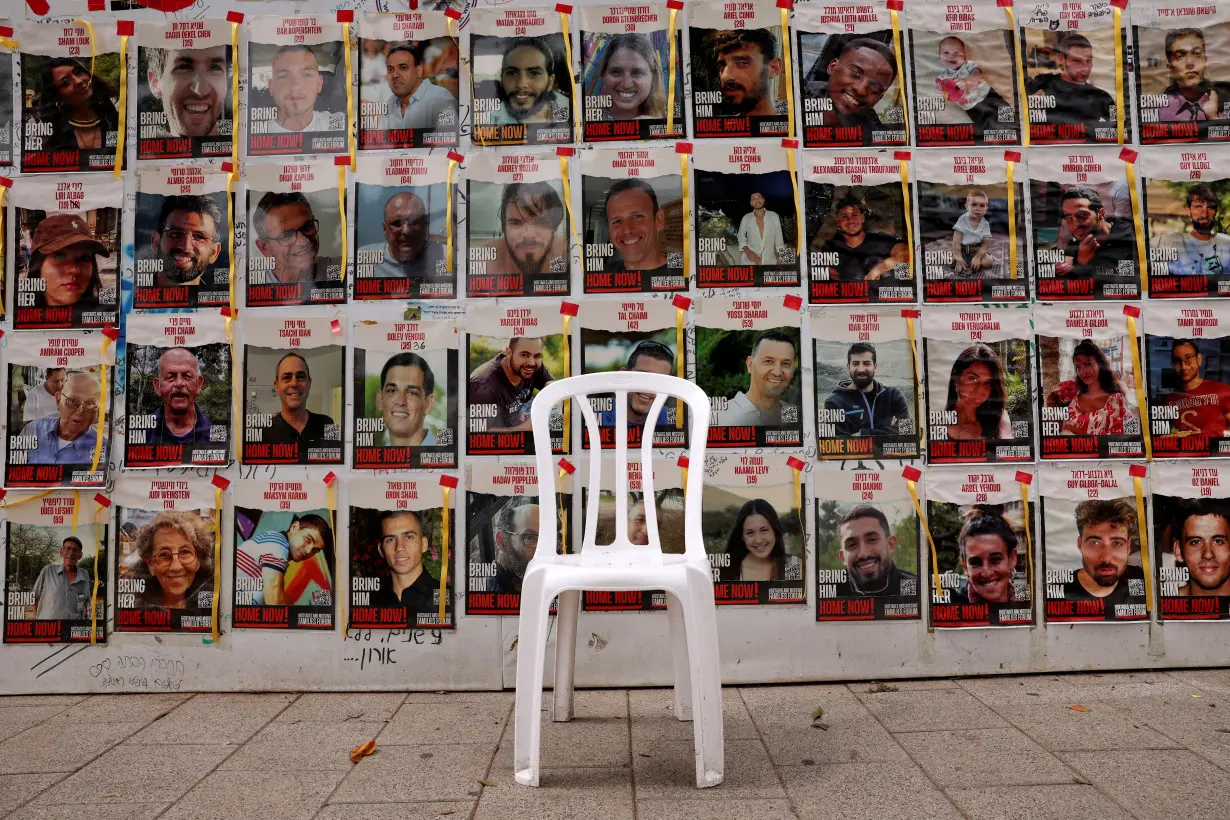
{"x": 63, "y": 277}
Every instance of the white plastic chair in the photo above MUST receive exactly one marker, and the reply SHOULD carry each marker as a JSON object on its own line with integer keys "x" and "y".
{"x": 620, "y": 565}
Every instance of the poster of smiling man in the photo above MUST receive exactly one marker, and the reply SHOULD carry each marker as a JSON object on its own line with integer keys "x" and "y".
{"x": 1189, "y": 399}
{"x": 1185, "y": 198}
{"x": 184, "y": 104}
{"x": 1191, "y": 540}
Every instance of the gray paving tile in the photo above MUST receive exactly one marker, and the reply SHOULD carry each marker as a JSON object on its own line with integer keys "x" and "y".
{"x": 1176, "y": 784}
{"x": 399, "y": 774}
{"x": 99, "y": 811}
{"x": 465, "y": 722}
{"x": 1116, "y": 686}
{"x": 16, "y": 789}
{"x": 666, "y": 770}
{"x": 456, "y": 697}
{"x": 329, "y": 707}
{"x": 60, "y": 746}
{"x": 1210, "y": 680}
{"x": 706, "y": 810}
{"x": 563, "y": 794}
{"x": 8, "y": 701}
{"x": 992, "y": 757}
{"x": 579, "y": 743}
{"x": 653, "y": 716}
{"x": 1023, "y": 690}
{"x": 223, "y": 719}
{"x": 1074, "y": 802}
{"x": 125, "y": 708}
{"x": 783, "y": 716}
{"x": 848, "y": 791}
{"x": 1057, "y": 727}
{"x": 396, "y": 811}
{"x": 302, "y": 746}
{"x": 17, "y": 719}
{"x": 922, "y": 685}
{"x": 267, "y": 795}
{"x": 129, "y": 775}
{"x": 924, "y": 711}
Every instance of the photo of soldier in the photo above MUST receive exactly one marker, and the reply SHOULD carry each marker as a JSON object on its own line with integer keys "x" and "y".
{"x": 1189, "y": 398}
{"x": 981, "y": 548}
{"x": 397, "y": 555}
{"x": 294, "y": 237}
{"x": 184, "y": 104}
{"x": 1091, "y": 542}
{"x": 55, "y": 573}
{"x": 522, "y": 84}
{"x": 505, "y": 373}
{"x": 851, "y": 88}
{"x": 285, "y": 567}
{"x": 164, "y": 554}
{"x": 296, "y": 88}
{"x": 71, "y": 120}
{"x": 183, "y": 240}
{"x": 401, "y": 230}
{"x": 633, "y": 224}
{"x": 1182, "y": 97}
{"x": 1191, "y": 541}
{"x": 415, "y": 104}
{"x": 625, "y": 54}
{"x": 518, "y": 231}
{"x": 1189, "y": 246}
{"x": 405, "y": 395}
{"x": 867, "y": 561}
{"x": 739, "y": 81}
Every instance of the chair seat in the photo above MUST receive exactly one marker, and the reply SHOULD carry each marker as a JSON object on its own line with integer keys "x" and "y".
{"x": 564, "y": 575}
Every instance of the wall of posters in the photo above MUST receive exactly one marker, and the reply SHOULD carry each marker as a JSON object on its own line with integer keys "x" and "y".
{"x": 408, "y": 62}
{"x": 1181, "y": 94}
{"x": 1189, "y": 400}
{"x": 1191, "y": 540}
{"x": 1181, "y": 199}
{"x": 184, "y": 103}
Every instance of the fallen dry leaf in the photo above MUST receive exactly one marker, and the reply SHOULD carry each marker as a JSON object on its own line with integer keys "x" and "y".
{"x": 362, "y": 751}
{"x": 445, "y": 811}
{"x": 1080, "y": 708}
{"x": 1224, "y": 731}
{"x": 487, "y": 782}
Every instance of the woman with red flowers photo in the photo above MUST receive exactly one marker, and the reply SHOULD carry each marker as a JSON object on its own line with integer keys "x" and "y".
{"x": 1096, "y": 400}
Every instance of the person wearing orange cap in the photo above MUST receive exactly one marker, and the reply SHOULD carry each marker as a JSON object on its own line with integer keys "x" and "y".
{"x": 64, "y": 254}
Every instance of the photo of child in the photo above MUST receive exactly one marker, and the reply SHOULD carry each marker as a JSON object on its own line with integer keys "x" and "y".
{"x": 971, "y": 235}
{"x": 960, "y": 80}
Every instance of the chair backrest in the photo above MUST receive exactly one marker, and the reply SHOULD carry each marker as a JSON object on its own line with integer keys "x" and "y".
{"x": 621, "y": 551}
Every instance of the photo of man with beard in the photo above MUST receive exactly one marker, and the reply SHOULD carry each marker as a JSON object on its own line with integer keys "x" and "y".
{"x": 530, "y": 90}
{"x": 745, "y": 70}
{"x": 533, "y": 232}
{"x": 866, "y": 547}
{"x": 507, "y": 383}
{"x": 1202, "y": 250}
{"x": 1105, "y": 538}
{"x": 187, "y": 240}
{"x": 868, "y": 407}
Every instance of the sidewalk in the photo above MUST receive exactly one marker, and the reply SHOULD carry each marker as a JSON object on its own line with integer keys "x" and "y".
{"x": 1148, "y": 746}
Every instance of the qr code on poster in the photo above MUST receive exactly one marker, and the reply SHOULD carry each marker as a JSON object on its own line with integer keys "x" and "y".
{"x": 447, "y": 118}
{"x": 559, "y": 114}
{"x": 794, "y": 571}
{"x": 892, "y": 116}
{"x": 674, "y": 259}
{"x": 559, "y": 264}
{"x": 1131, "y": 427}
{"x": 333, "y": 432}
{"x": 1020, "y": 429}
{"x": 444, "y": 437}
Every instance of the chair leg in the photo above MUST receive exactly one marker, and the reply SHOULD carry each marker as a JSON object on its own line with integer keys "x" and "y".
{"x": 708, "y": 729}
{"x": 679, "y": 651}
{"x": 531, "y": 656}
{"x": 565, "y": 652}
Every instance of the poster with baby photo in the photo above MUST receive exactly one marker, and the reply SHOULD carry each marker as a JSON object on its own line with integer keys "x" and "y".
{"x": 964, "y": 74}
{"x": 971, "y": 224}
{"x": 980, "y": 526}
{"x": 1087, "y": 383}
{"x": 858, "y": 228}
{"x": 1182, "y": 82}
{"x": 1191, "y": 540}
{"x": 851, "y": 87}
{"x": 1070, "y": 72}
{"x": 978, "y": 375}
{"x": 1081, "y": 207}
{"x": 1189, "y": 398}
{"x": 1092, "y": 540}
{"x": 1182, "y": 193}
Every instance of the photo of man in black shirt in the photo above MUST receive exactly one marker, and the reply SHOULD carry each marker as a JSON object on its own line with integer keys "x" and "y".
{"x": 295, "y": 423}
{"x": 1104, "y": 538}
{"x": 402, "y": 545}
{"x": 1099, "y": 243}
{"x": 862, "y": 255}
{"x": 866, "y": 546}
{"x": 1069, "y": 96}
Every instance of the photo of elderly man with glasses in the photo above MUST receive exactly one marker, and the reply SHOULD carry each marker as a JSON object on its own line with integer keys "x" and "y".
{"x": 515, "y": 530}
{"x": 288, "y": 233}
{"x": 69, "y": 435}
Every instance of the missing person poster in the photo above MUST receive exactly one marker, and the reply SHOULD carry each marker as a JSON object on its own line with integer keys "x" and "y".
{"x": 1189, "y": 247}
{"x": 963, "y": 225}
{"x": 739, "y": 81}
{"x": 1191, "y": 540}
{"x": 59, "y": 409}
{"x": 184, "y": 104}
{"x": 178, "y": 397}
{"x": 285, "y": 420}
{"x": 285, "y": 560}
{"x": 1084, "y": 235}
{"x": 295, "y": 239}
{"x": 633, "y": 337}
{"x": 517, "y": 222}
{"x": 1183, "y": 96}
{"x": 164, "y": 553}
{"x": 56, "y": 572}
{"x": 296, "y": 86}
{"x": 405, "y": 395}
{"x": 633, "y": 205}
{"x": 506, "y": 371}
{"x": 982, "y": 546}
{"x": 184, "y": 237}
{"x": 866, "y": 384}
{"x": 522, "y": 92}
{"x": 70, "y": 83}
{"x": 851, "y": 89}
{"x": 747, "y": 226}
{"x": 625, "y": 68}
{"x": 401, "y": 231}
{"x": 401, "y": 555}
{"x": 503, "y": 523}
{"x": 408, "y": 68}
{"x": 965, "y": 74}
{"x": 666, "y": 512}
{"x": 1091, "y": 543}
{"x": 1086, "y": 383}
{"x": 977, "y": 369}
{"x": 867, "y": 559}
{"x": 747, "y": 362}
{"x": 858, "y": 247}
{"x": 65, "y": 255}
{"x": 1189, "y": 399}
{"x": 1069, "y": 51}
{"x": 753, "y": 528}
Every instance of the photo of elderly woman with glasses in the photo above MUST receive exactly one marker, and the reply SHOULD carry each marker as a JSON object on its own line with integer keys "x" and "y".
{"x": 176, "y": 569}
